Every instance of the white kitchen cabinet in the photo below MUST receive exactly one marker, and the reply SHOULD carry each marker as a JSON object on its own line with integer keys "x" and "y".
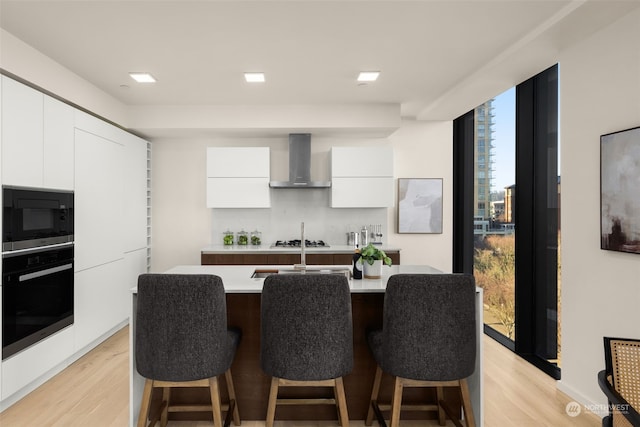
{"x": 37, "y": 138}
{"x": 362, "y": 161}
{"x": 30, "y": 364}
{"x": 22, "y": 129}
{"x": 238, "y": 193}
{"x": 47, "y": 143}
{"x": 369, "y": 192}
{"x": 134, "y": 193}
{"x": 58, "y": 145}
{"x": 101, "y": 301}
{"x": 99, "y": 184}
{"x": 238, "y": 177}
{"x": 362, "y": 177}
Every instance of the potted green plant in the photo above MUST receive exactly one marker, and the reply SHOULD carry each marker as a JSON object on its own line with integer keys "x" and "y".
{"x": 372, "y": 259}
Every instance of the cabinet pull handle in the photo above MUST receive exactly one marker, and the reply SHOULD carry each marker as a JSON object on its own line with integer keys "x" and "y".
{"x": 46, "y": 272}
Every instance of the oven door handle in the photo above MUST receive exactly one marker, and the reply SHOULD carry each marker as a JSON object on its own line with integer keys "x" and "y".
{"x": 43, "y": 273}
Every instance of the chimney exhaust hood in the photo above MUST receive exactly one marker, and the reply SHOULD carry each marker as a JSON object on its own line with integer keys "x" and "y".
{"x": 300, "y": 164}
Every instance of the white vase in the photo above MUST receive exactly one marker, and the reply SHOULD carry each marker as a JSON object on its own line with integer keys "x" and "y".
{"x": 372, "y": 271}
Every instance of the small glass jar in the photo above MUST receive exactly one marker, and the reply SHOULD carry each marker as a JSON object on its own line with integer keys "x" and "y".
{"x": 256, "y": 238}
{"x": 243, "y": 238}
{"x": 227, "y": 240}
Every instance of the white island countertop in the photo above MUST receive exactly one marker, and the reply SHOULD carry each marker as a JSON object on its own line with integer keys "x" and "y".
{"x": 266, "y": 249}
{"x": 237, "y": 278}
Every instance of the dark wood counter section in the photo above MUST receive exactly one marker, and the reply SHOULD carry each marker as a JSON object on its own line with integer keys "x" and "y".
{"x": 325, "y": 258}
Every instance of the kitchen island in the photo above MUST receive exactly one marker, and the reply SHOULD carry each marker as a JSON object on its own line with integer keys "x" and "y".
{"x": 252, "y": 385}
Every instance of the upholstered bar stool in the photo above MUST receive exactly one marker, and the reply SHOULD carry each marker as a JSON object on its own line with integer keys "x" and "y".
{"x": 428, "y": 339}
{"x": 306, "y": 337}
{"x": 182, "y": 340}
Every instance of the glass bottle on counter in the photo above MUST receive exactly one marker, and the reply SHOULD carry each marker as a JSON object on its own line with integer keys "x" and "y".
{"x": 243, "y": 238}
{"x": 256, "y": 238}
{"x": 227, "y": 240}
{"x": 357, "y": 265}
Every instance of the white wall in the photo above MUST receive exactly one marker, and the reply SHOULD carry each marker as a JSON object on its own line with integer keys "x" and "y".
{"x": 424, "y": 150}
{"x": 182, "y": 225}
{"x": 600, "y": 93}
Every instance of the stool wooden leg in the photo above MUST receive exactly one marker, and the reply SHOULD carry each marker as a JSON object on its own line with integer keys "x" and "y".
{"x": 215, "y": 402}
{"x": 144, "y": 404}
{"x": 396, "y": 402}
{"x": 439, "y": 398}
{"x": 342, "y": 403}
{"x": 374, "y": 395}
{"x": 232, "y": 395}
{"x": 273, "y": 396}
{"x": 164, "y": 416}
{"x": 466, "y": 403}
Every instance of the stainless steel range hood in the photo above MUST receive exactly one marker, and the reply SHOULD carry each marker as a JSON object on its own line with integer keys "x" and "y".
{"x": 300, "y": 164}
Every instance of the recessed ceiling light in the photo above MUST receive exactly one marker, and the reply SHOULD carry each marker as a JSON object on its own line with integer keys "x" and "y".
{"x": 254, "y": 77}
{"x": 368, "y": 76}
{"x": 143, "y": 77}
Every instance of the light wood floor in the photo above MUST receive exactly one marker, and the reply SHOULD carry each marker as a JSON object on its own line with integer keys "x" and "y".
{"x": 94, "y": 391}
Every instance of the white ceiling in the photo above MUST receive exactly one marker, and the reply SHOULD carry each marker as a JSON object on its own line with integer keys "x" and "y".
{"x": 437, "y": 58}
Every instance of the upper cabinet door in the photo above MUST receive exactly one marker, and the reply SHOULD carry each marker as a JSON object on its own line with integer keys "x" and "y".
{"x": 37, "y": 138}
{"x": 361, "y": 161}
{"x": 98, "y": 201}
{"x": 58, "y": 144}
{"x": 238, "y": 177}
{"x": 362, "y": 177}
{"x": 238, "y": 162}
{"x": 22, "y": 135}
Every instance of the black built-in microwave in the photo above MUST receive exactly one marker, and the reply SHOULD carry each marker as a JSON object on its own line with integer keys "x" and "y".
{"x": 36, "y": 217}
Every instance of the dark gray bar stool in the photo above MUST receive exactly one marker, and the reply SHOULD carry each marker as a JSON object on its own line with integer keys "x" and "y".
{"x": 306, "y": 337}
{"x": 182, "y": 340}
{"x": 428, "y": 339}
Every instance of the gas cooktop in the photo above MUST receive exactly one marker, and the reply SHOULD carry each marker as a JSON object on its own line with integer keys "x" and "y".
{"x": 296, "y": 243}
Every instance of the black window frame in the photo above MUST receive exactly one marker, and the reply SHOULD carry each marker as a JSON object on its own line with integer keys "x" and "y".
{"x": 536, "y": 215}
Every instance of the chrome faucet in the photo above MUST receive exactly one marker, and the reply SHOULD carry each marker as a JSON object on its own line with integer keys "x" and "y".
{"x": 303, "y": 263}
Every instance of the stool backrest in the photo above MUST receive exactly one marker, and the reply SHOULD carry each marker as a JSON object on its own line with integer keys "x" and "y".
{"x": 429, "y": 326}
{"x": 622, "y": 361}
{"x": 306, "y": 327}
{"x": 181, "y": 327}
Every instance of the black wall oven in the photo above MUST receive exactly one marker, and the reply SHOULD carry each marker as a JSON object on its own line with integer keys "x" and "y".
{"x": 37, "y": 265}
{"x": 35, "y": 217}
{"x": 37, "y": 295}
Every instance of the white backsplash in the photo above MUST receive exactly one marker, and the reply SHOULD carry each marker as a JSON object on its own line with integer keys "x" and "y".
{"x": 290, "y": 207}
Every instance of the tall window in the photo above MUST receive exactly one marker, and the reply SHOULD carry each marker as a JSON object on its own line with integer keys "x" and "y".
{"x": 494, "y": 242}
{"x": 519, "y": 182}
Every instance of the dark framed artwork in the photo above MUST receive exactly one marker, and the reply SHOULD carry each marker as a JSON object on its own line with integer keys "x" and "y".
{"x": 620, "y": 191}
{"x": 420, "y": 205}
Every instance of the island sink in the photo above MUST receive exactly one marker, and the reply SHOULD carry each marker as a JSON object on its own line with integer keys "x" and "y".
{"x": 262, "y": 273}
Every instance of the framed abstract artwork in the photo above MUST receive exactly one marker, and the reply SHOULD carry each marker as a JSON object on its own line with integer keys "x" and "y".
{"x": 420, "y": 205}
{"x": 620, "y": 191}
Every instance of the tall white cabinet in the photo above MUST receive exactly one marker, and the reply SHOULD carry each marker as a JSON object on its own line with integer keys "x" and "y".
{"x": 111, "y": 224}
{"x": 362, "y": 177}
{"x": 46, "y": 143}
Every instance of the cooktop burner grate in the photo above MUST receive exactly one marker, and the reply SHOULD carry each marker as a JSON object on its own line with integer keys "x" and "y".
{"x": 296, "y": 243}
